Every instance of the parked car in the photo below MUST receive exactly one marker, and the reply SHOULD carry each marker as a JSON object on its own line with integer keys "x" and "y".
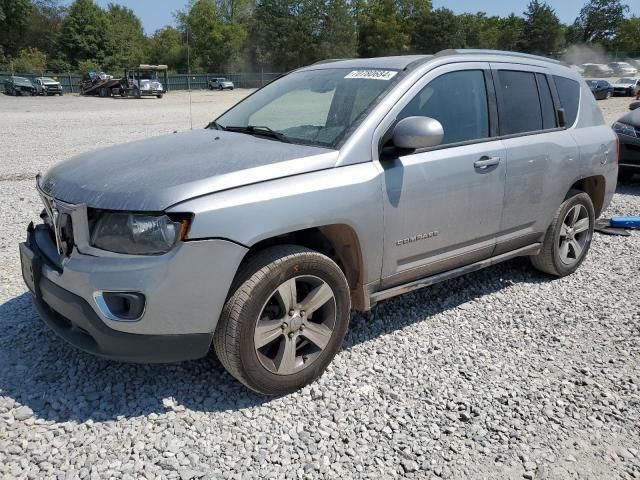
{"x": 597, "y": 70}
{"x": 259, "y": 233}
{"x": 19, "y": 86}
{"x": 623, "y": 68}
{"x": 628, "y": 130}
{"x": 48, "y": 86}
{"x": 220, "y": 84}
{"x": 627, "y": 86}
{"x": 601, "y": 89}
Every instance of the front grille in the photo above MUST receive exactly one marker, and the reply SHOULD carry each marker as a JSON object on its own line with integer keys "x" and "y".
{"x": 58, "y": 217}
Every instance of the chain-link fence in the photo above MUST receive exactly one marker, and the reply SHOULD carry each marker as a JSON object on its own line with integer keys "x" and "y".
{"x": 71, "y": 82}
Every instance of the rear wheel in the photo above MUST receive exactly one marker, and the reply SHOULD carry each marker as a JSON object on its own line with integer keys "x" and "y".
{"x": 284, "y": 320}
{"x": 568, "y": 238}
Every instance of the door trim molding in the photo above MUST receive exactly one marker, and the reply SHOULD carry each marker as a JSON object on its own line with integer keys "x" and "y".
{"x": 375, "y": 297}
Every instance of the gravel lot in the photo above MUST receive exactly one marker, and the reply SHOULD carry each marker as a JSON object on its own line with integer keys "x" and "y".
{"x": 504, "y": 373}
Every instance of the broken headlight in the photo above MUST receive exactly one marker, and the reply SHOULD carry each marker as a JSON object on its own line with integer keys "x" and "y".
{"x": 137, "y": 233}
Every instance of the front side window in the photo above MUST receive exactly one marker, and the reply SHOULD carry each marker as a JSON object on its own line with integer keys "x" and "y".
{"x": 317, "y": 107}
{"x": 458, "y": 100}
{"x": 520, "y": 110}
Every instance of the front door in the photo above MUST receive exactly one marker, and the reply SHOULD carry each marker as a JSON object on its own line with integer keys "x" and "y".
{"x": 443, "y": 205}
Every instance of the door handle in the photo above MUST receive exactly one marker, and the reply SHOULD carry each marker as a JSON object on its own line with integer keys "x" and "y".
{"x": 486, "y": 162}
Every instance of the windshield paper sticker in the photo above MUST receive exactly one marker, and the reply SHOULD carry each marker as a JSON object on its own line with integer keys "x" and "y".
{"x": 372, "y": 74}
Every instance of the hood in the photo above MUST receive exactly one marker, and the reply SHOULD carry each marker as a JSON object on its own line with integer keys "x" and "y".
{"x": 153, "y": 174}
{"x": 625, "y": 85}
{"x": 631, "y": 118}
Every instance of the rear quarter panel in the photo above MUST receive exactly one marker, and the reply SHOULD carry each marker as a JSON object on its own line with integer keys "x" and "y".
{"x": 597, "y": 144}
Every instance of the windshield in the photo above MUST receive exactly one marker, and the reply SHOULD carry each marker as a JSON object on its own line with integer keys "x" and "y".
{"x": 145, "y": 75}
{"x": 21, "y": 81}
{"x": 317, "y": 107}
{"x": 626, "y": 80}
{"x": 47, "y": 79}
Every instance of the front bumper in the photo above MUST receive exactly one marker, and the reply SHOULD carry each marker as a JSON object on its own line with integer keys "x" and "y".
{"x": 73, "y": 319}
{"x": 184, "y": 290}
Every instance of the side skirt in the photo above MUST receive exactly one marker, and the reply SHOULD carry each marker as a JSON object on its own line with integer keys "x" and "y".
{"x": 375, "y": 297}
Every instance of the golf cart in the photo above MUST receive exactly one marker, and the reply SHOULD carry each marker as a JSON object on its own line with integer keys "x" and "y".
{"x": 145, "y": 80}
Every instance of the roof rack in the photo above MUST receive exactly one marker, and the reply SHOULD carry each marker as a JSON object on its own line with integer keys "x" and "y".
{"x": 472, "y": 51}
{"x": 330, "y": 60}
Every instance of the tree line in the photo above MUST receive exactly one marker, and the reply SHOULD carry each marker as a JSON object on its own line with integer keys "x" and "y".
{"x": 279, "y": 35}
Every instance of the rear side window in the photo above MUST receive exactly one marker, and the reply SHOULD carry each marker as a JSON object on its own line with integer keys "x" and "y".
{"x": 520, "y": 110}
{"x": 546, "y": 102}
{"x": 569, "y": 95}
{"x": 458, "y": 100}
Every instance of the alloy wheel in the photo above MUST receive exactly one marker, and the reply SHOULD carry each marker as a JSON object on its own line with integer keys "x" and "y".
{"x": 574, "y": 234}
{"x": 295, "y": 325}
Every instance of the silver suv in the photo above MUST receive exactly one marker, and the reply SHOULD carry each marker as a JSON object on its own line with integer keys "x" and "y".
{"x": 339, "y": 185}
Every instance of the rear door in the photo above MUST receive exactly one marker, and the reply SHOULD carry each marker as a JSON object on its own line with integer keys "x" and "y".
{"x": 541, "y": 157}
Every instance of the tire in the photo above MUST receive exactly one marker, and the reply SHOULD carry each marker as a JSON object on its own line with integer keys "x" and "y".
{"x": 220, "y": 88}
{"x": 159, "y": 96}
{"x": 136, "y": 92}
{"x": 550, "y": 259}
{"x": 254, "y": 298}
{"x": 608, "y": 96}
{"x": 124, "y": 93}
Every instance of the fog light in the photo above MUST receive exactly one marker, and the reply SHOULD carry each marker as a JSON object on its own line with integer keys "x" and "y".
{"x": 120, "y": 306}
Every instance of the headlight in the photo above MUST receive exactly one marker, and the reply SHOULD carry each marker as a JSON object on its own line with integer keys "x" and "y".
{"x": 137, "y": 234}
{"x": 624, "y": 129}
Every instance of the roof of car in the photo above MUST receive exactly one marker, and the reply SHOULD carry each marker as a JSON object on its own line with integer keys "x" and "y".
{"x": 405, "y": 61}
{"x": 392, "y": 63}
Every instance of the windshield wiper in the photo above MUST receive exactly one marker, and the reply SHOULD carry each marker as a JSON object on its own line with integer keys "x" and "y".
{"x": 259, "y": 130}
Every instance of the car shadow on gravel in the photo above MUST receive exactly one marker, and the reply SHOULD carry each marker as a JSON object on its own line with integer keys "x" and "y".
{"x": 404, "y": 310}
{"x": 59, "y": 383}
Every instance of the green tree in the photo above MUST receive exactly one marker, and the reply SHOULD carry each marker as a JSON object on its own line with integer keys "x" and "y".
{"x": 126, "y": 43}
{"x": 215, "y": 42}
{"x": 542, "y": 29}
{"x": 628, "y": 38}
{"x": 30, "y": 60}
{"x": 510, "y": 34}
{"x": 438, "y": 30}
{"x": 598, "y": 21}
{"x": 84, "y": 33}
{"x": 337, "y": 37}
{"x": 14, "y": 19}
{"x": 167, "y": 47}
{"x": 44, "y": 25}
{"x": 384, "y": 30}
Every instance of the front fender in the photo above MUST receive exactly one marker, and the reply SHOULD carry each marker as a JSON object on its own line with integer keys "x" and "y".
{"x": 349, "y": 195}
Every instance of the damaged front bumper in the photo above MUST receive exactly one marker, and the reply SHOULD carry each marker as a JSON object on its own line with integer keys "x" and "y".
{"x": 183, "y": 293}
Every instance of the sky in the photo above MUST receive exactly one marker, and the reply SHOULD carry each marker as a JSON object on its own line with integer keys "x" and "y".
{"x": 156, "y": 14}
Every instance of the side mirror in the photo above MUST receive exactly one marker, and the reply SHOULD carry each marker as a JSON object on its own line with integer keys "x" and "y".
{"x": 412, "y": 133}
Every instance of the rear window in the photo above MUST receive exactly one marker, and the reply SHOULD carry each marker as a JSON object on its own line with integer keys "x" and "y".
{"x": 569, "y": 95}
{"x": 546, "y": 101}
{"x": 520, "y": 110}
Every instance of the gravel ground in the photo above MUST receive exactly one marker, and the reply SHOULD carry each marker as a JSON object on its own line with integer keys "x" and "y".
{"x": 504, "y": 373}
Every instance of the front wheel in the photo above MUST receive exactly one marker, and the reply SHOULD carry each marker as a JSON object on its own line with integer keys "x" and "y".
{"x": 568, "y": 238}
{"x": 284, "y": 320}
